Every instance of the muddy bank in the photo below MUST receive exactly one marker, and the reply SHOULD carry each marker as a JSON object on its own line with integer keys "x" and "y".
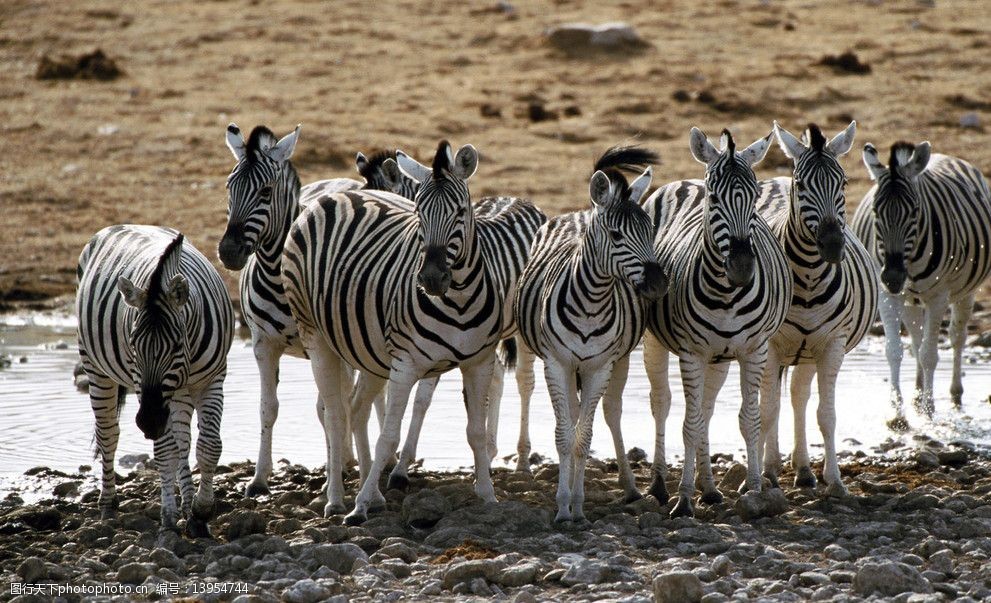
{"x": 916, "y": 526}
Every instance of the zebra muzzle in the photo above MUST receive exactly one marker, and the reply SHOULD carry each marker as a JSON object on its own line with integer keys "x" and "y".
{"x": 434, "y": 275}
{"x": 234, "y": 249}
{"x": 830, "y": 241}
{"x": 893, "y": 274}
{"x": 740, "y": 263}
{"x": 654, "y": 283}
{"x": 153, "y": 414}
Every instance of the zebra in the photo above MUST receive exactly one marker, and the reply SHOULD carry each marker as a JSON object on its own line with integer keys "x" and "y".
{"x": 401, "y": 296}
{"x": 381, "y": 172}
{"x": 927, "y": 222}
{"x": 264, "y": 197}
{"x": 835, "y": 295}
{"x": 729, "y": 291}
{"x": 155, "y": 318}
{"x": 580, "y": 307}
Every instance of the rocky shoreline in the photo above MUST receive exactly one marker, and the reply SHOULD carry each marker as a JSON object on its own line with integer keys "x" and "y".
{"x": 916, "y": 527}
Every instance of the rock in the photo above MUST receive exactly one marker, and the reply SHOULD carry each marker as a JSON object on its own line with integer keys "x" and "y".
{"x": 767, "y": 503}
{"x": 721, "y": 565}
{"x": 245, "y": 523}
{"x": 398, "y": 550}
{"x": 305, "y": 591}
{"x": 734, "y": 477}
{"x": 423, "y": 509}
{"x": 813, "y": 579}
{"x": 585, "y": 571}
{"x": 466, "y": 571}
{"x": 636, "y": 455}
{"x": 524, "y": 596}
{"x": 36, "y": 517}
{"x": 66, "y": 489}
{"x": 582, "y": 38}
{"x": 925, "y": 459}
{"x": 953, "y": 458}
{"x": 889, "y": 579}
{"x": 133, "y": 573}
{"x": 32, "y": 570}
{"x": 677, "y": 587}
{"x": 837, "y": 553}
{"x": 130, "y": 460}
{"x": 520, "y": 574}
{"x": 941, "y": 561}
{"x": 339, "y": 557}
{"x": 970, "y": 120}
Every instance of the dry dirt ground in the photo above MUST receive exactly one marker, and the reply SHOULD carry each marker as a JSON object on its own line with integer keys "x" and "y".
{"x": 148, "y": 147}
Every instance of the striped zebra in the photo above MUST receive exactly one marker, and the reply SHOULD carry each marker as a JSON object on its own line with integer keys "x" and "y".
{"x": 927, "y": 222}
{"x": 381, "y": 172}
{"x": 401, "y": 296}
{"x": 580, "y": 307}
{"x": 729, "y": 291}
{"x": 264, "y": 197}
{"x": 155, "y": 318}
{"x": 835, "y": 295}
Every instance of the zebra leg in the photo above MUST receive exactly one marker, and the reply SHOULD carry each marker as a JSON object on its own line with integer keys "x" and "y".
{"x": 367, "y": 388}
{"x": 399, "y": 477}
{"x": 770, "y": 410}
{"x": 561, "y": 388}
{"x": 180, "y": 417}
{"x": 103, "y": 399}
{"x": 165, "y": 452}
{"x": 828, "y": 366}
{"x": 477, "y": 378}
{"x": 401, "y": 382}
{"x": 330, "y": 374}
{"x": 959, "y": 317}
{"x": 715, "y": 376}
{"x": 493, "y": 403}
{"x": 593, "y": 385}
{"x": 751, "y": 371}
{"x": 524, "y": 383}
{"x": 929, "y": 352}
{"x": 891, "y": 307}
{"x": 612, "y": 408}
{"x": 913, "y": 317}
{"x": 801, "y": 388}
{"x": 209, "y": 445}
{"x": 693, "y": 379}
{"x": 267, "y": 355}
{"x": 655, "y": 359}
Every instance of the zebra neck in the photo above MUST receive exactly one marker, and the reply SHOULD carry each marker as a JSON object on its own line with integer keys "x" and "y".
{"x": 927, "y": 241}
{"x": 468, "y": 272}
{"x": 712, "y": 272}
{"x": 800, "y": 246}
{"x": 285, "y": 209}
{"x": 590, "y": 287}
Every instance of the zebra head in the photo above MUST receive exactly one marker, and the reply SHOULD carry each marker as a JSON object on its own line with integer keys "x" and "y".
{"x": 446, "y": 223}
{"x": 818, "y": 186}
{"x": 157, "y": 341}
{"x": 620, "y": 232}
{"x": 381, "y": 173}
{"x": 256, "y": 190}
{"x": 896, "y": 207}
{"x": 731, "y": 197}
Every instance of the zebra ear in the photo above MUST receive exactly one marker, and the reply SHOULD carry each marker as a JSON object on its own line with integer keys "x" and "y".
{"x": 391, "y": 174}
{"x": 465, "y": 162}
{"x": 638, "y": 188}
{"x": 874, "y": 166}
{"x": 177, "y": 291}
{"x": 791, "y": 146}
{"x": 918, "y": 162}
{"x": 755, "y": 152}
{"x": 842, "y": 143}
{"x": 282, "y": 151}
{"x": 600, "y": 189}
{"x": 361, "y": 162}
{"x": 702, "y": 150}
{"x": 412, "y": 168}
{"x": 235, "y": 141}
{"x": 133, "y": 295}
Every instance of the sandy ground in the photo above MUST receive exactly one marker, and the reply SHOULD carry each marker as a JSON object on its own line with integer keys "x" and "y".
{"x": 148, "y": 147}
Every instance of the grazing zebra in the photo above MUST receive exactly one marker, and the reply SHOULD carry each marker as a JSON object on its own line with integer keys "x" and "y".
{"x": 730, "y": 287}
{"x": 580, "y": 307}
{"x": 927, "y": 222}
{"x": 401, "y": 296}
{"x": 835, "y": 295}
{"x": 264, "y": 197}
{"x": 155, "y": 318}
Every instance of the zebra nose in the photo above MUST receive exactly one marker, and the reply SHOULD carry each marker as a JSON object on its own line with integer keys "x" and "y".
{"x": 830, "y": 241}
{"x": 654, "y": 283}
{"x": 234, "y": 249}
{"x": 740, "y": 263}
{"x": 153, "y": 415}
{"x": 893, "y": 274}
{"x": 434, "y": 275}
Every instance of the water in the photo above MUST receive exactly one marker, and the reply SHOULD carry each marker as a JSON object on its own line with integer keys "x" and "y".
{"x": 48, "y": 422}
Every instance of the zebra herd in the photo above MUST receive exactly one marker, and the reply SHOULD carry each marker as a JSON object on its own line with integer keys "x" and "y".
{"x": 388, "y": 283}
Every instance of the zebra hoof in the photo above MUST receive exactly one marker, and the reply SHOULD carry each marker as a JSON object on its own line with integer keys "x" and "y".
{"x": 712, "y": 497}
{"x": 332, "y": 509}
{"x": 631, "y": 496}
{"x": 683, "y": 508}
{"x": 562, "y": 518}
{"x": 837, "y": 490}
{"x": 397, "y": 482}
{"x": 197, "y": 528}
{"x": 355, "y": 518}
{"x": 255, "y": 489}
{"x": 659, "y": 490}
{"x": 898, "y": 424}
{"x": 804, "y": 478}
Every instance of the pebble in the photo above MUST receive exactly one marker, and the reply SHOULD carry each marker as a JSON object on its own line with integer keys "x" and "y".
{"x": 889, "y": 579}
{"x": 677, "y": 587}
{"x": 578, "y": 38}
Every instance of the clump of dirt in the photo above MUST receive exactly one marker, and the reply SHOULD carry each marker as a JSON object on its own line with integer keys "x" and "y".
{"x": 469, "y": 549}
{"x": 848, "y": 62}
{"x": 88, "y": 66}
{"x": 965, "y": 102}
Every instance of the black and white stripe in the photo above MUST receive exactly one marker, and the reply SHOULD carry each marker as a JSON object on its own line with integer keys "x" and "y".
{"x": 155, "y": 318}
{"x": 580, "y": 307}
{"x": 927, "y": 222}
{"x": 730, "y": 287}
{"x": 835, "y": 295}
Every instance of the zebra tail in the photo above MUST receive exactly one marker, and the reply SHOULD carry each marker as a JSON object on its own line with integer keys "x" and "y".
{"x": 507, "y": 353}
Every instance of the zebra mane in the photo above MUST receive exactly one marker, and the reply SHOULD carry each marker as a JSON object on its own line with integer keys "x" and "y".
{"x": 442, "y": 160}
{"x": 816, "y": 139}
{"x": 730, "y": 144}
{"x": 618, "y": 159}
{"x": 375, "y": 161}
{"x": 254, "y": 142}
{"x": 901, "y": 152}
{"x": 158, "y": 275}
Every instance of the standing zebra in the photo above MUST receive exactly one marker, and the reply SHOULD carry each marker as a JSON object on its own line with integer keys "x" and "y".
{"x": 401, "y": 296}
{"x": 580, "y": 307}
{"x": 927, "y": 222}
{"x": 835, "y": 295}
{"x": 155, "y": 318}
{"x": 264, "y": 197}
{"x": 730, "y": 287}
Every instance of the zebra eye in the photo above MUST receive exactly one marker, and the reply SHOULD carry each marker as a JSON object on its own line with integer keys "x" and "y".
{"x": 265, "y": 193}
{"x": 616, "y": 236}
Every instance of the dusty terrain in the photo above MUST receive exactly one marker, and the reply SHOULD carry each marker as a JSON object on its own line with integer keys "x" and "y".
{"x": 148, "y": 146}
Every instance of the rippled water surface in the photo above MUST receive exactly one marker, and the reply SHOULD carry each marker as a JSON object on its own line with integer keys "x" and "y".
{"x": 46, "y": 421}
